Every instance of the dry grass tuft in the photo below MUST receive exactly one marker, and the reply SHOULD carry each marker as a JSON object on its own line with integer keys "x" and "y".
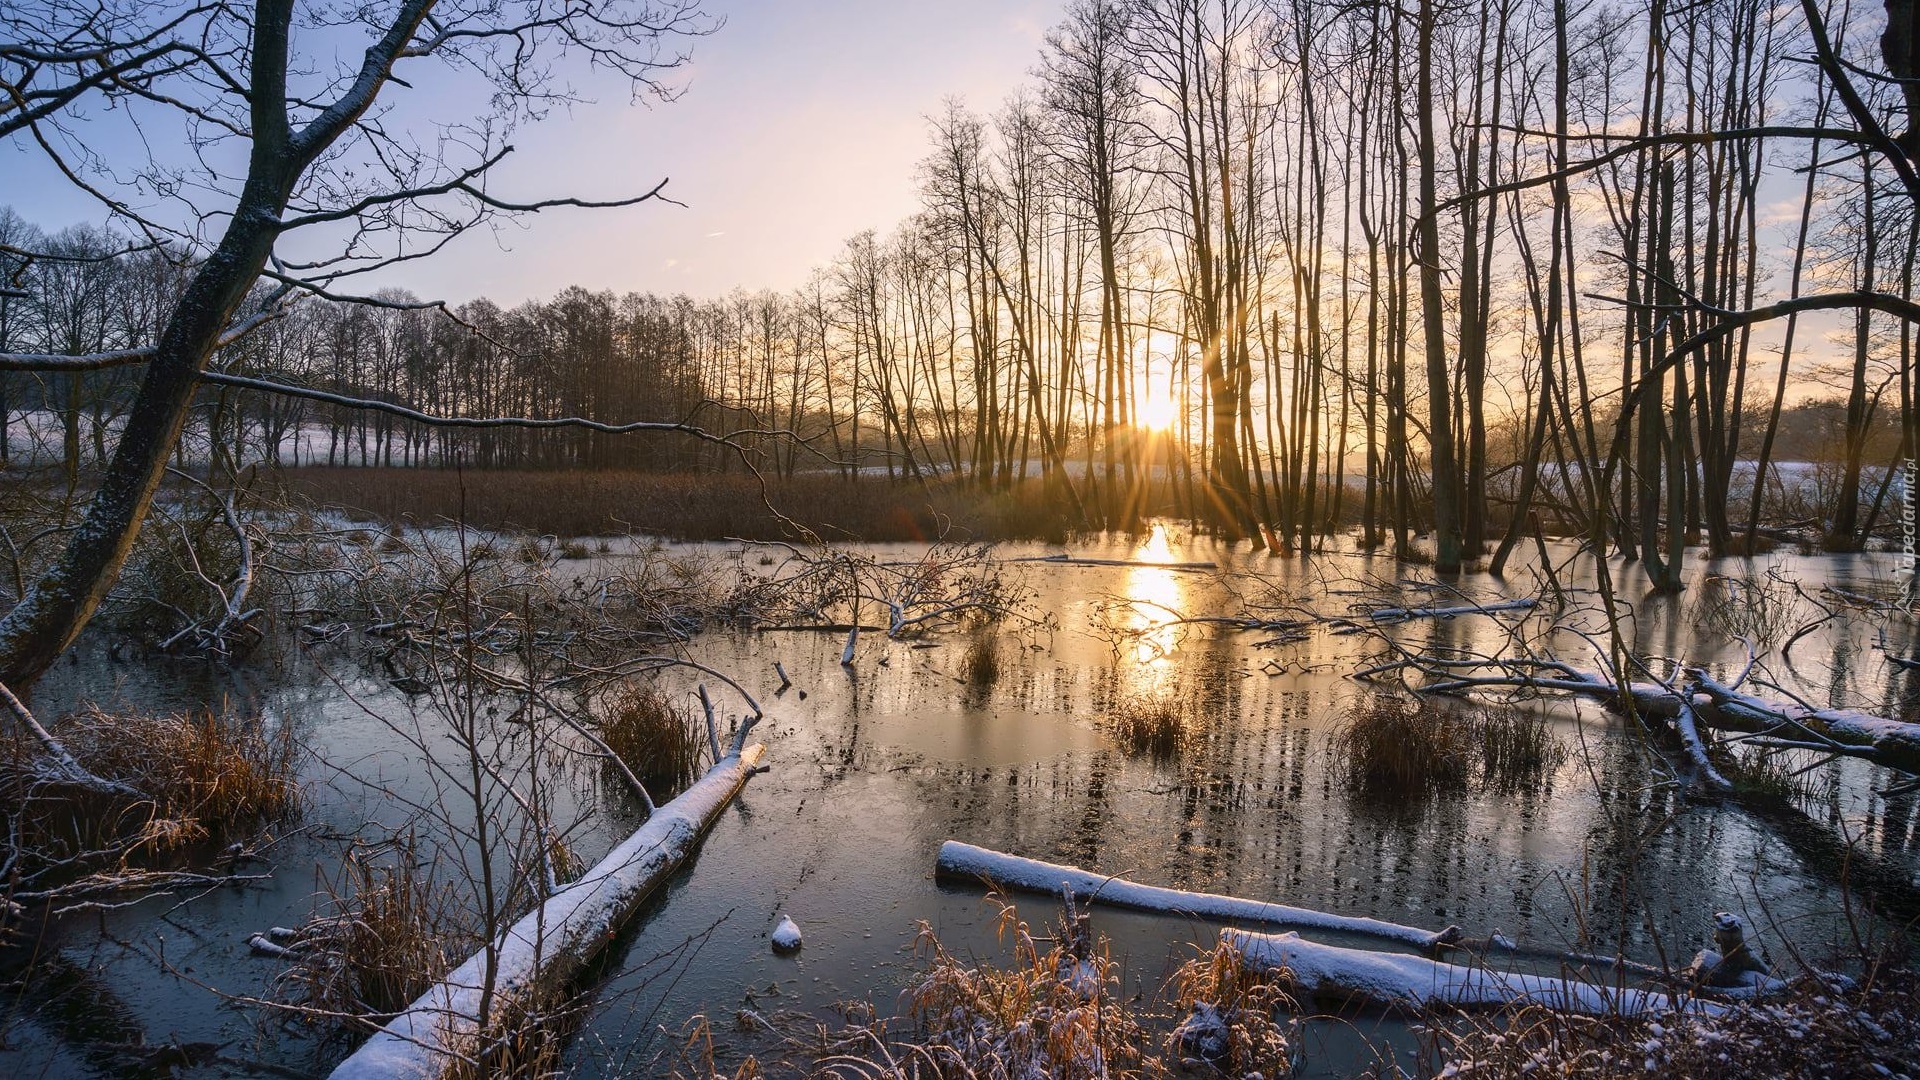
{"x": 1391, "y": 747}
{"x": 1397, "y": 747}
{"x": 980, "y": 668}
{"x": 203, "y": 775}
{"x": 660, "y": 743}
{"x": 1517, "y": 749}
{"x": 1049, "y": 1013}
{"x": 1231, "y": 1023}
{"x": 1049, "y": 1010}
{"x": 1153, "y": 726}
{"x": 389, "y": 936}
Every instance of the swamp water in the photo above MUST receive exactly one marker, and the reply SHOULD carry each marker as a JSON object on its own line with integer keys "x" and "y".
{"x": 878, "y": 764}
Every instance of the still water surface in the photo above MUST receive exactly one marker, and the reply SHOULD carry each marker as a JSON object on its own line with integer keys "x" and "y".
{"x": 878, "y": 764}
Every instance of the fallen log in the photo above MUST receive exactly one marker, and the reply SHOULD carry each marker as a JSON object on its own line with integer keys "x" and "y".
{"x": 443, "y": 1026}
{"x": 1405, "y": 981}
{"x": 1886, "y": 741}
{"x": 1699, "y": 697}
{"x": 1032, "y": 875}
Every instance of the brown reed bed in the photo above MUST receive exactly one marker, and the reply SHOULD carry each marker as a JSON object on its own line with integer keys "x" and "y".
{"x": 980, "y": 667}
{"x": 385, "y": 934}
{"x": 1052, "y": 1008}
{"x": 687, "y": 506}
{"x": 1152, "y": 725}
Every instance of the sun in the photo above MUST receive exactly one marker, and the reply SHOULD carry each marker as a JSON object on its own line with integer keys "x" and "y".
{"x": 1158, "y": 412}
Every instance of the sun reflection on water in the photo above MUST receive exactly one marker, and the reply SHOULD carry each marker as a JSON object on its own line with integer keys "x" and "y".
{"x": 1155, "y": 597}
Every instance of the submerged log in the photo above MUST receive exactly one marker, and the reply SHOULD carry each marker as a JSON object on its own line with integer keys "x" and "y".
{"x": 1404, "y": 981}
{"x": 1032, "y": 875}
{"x": 551, "y": 943}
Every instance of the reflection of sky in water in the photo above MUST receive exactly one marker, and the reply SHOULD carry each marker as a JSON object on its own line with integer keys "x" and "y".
{"x": 875, "y": 767}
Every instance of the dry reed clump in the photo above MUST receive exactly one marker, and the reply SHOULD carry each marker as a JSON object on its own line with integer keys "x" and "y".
{"x": 200, "y": 775}
{"x": 1232, "y": 1011}
{"x": 1517, "y": 749}
{"x": 390, "y": 934}
{"x": 1050, "y": 1013}
{"x": 1814, "y": 1031}
{"x": 1392, "y": 746}
{"x": 660, "y": 743}
{"x": 524, "y": 1039}
{"x": 1151, "y": 725}
{"x": 980, "y": 668}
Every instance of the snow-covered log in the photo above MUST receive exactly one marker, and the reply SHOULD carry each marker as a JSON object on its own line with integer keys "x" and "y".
{"x": 1401, "y": 980}
{"x": 551, "y": 943}
{"x": 1696, "y": 696}
{"x": 1889, "y": 742}
{"x": 1032, "y": 875}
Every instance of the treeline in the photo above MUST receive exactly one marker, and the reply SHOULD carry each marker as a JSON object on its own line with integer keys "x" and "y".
{"x": 1308, "y": 262}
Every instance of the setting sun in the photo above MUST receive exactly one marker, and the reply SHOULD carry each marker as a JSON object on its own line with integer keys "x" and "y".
{"x": 1158, "y": 412}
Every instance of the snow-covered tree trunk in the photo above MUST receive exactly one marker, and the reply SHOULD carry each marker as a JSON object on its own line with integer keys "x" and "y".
{"x": 444, "y": 1026}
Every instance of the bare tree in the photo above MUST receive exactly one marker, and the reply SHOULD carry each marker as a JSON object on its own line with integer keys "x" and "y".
{"x": 320, "y": 159}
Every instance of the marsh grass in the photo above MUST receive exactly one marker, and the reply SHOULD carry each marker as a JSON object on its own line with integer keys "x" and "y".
{"x": 980, "y": 667}
{"x": 203, "y": 776}
{"x": 1392, "y": 747}
{"x": 1517, "y": 749}
{"x": 1232, "y": 1013}
{"x": 1775, "y": 776}
{"x": 526, "y": 1037}
{"x": 387, "y": 934}
{"x": 1049, "y": 1009}
{"x": 661, "y": 743}
{"x": 1150, "y": 725}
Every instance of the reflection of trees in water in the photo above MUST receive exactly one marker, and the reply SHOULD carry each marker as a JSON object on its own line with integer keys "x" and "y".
{"x": 1609, "y": 856}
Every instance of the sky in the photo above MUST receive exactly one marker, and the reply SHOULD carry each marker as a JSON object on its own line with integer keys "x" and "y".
{"x": 799, "y": 124}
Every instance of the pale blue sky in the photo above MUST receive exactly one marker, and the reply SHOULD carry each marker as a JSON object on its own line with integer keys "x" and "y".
{"x": 800, "y": 124}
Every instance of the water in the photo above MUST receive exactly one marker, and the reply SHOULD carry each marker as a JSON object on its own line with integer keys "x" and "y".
{"x": 878, "y": 764}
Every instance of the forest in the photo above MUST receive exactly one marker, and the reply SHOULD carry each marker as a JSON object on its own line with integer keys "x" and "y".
{"x": 1416, "y": 499}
